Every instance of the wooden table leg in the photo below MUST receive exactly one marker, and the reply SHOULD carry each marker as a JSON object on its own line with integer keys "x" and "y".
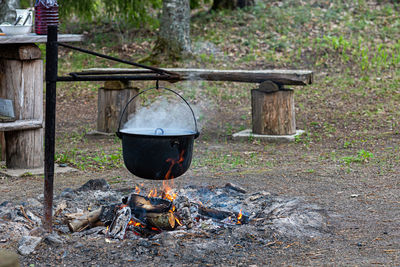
{"x": 21, "y": 80}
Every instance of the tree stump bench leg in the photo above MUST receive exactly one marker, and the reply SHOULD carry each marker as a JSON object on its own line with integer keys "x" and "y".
{"x": 273, "y": 112}
{"x": 112, "y": 99}
{"x": 21, "y": 80}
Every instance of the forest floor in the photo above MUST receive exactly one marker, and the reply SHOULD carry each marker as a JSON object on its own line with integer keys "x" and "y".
{"x": 347, "y": 162}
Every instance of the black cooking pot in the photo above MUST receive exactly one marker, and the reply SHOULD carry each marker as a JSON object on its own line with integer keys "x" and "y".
{"x": 157, "y": 154}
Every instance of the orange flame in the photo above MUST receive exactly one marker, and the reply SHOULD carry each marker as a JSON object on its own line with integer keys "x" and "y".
{"x": 153, "y": 193}
{"x": 167, "y": 191}
{"x": 168, "y": 183}
{"x": 173, "y": 162}
{"x": 135, "y": 223}
{"x": 239, "y": 217}
{"x": 137, "y": 190}
{"x": 177, "y": 220}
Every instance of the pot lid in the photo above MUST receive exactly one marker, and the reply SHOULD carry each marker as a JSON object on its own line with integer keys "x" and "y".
{"x": 158, "y": 131}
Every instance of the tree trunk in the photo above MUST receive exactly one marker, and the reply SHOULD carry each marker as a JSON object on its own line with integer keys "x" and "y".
{"x": 7, "y": 10}
{"x": 174, "y": 36}
{"x": 231, "y": 4}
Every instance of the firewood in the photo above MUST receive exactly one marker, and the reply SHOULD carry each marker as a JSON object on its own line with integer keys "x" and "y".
{"x": 85, "y": 221}
{"x": 120, "y": 223}
{"x": 235, "y": 187}
{"x": 147, "y": 204}
{"x": 164, "y": 221}
{"x": 108, "y": 213}
{"x": 221, "y": 214}
{"x": 74, "y": 216}
{"x": 214, "y": 213}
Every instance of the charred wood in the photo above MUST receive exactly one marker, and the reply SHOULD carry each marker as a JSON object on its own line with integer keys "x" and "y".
{"x": 220, "y": 214}
{"x": 164, "y": 221}
{"x": 235, "y": 187}
{"x": 141, "y": 205}
{"x": 108, "y": 214}
{"x": 214, "y": 213}
{"x": 120, "y": 223}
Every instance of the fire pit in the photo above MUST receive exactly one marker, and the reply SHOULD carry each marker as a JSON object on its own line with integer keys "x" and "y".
{"x": 200, "y": 219}
{"x": 198, "y": 208}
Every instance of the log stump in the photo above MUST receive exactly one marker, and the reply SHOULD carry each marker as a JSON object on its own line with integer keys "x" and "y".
{"x": 21, "y": 80}
{"x": 112, "y": 99}
{"x": 273, "y": 112}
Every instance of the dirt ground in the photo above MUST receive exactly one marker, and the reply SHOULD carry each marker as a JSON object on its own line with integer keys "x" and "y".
{"x": 363, "y": 203}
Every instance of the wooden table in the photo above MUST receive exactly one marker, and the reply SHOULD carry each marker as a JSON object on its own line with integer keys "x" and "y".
{"x": 21, "y": 80}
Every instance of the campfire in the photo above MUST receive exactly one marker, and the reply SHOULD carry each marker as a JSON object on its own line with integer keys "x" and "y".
{"x": 148, "y": 214}
{"x": 221, "y": 213}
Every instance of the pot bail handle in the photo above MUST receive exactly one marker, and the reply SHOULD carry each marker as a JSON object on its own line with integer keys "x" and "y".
{"x": 118, "y": 133}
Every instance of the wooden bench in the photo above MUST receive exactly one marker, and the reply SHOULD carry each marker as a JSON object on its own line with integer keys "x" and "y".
{"x": 272, "y": 104}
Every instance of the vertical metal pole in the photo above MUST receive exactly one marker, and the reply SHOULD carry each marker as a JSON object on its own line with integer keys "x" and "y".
{"x": 49, "y": 137}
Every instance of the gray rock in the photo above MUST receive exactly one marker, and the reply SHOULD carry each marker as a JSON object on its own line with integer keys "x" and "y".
{"x": 53, "y": 239}
{"x": 94, "y": 184}
{"x": 33, "y": 202}
{"x": 79, "y": 245}
{"x": 37, "y": 231}
{"x": 68, "y": 193}
{"x": 28, "y": 244}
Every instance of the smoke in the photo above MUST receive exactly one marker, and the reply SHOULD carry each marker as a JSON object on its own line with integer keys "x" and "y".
{"x": 174, "y": 113}
{"x": 163, "y": 113}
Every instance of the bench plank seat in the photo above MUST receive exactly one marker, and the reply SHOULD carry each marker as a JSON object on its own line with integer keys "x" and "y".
{"x": 282, "y": 77}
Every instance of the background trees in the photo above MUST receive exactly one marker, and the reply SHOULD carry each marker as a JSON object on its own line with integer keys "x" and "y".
{"x": 231, "y": 4}
{"x": 174, "y": 34}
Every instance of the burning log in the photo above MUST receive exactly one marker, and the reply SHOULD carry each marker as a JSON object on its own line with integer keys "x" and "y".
{"x": 144, "y": 204}
{"x": 85, "y": 220}
{"x": 214, "y": 213}
{"x": 155, "y": 212}
{"x": 165, "y": 221}
{"x": 222, "y": 215}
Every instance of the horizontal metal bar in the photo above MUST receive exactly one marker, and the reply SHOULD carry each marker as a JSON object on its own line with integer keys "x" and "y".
{"x": 117, "y": 78}
{"x": 158, "y": 70}
{"x": 114, "y": 73}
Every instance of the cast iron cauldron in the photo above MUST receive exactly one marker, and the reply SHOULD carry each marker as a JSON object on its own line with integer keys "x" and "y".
{"x": 157, "y": 154}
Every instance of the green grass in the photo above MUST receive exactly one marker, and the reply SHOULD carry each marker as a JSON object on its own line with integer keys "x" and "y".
{"x": 97, "y": 160}
{"x": 362, "y": 156}
{"x": 222, "y": 160}
{"x": 353, "y": 47}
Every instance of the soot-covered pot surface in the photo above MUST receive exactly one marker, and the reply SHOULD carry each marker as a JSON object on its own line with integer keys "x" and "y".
{"x": 157, "y": 154}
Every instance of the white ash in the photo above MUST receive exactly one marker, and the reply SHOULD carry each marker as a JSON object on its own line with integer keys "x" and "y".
{"x": 268, "y": 216}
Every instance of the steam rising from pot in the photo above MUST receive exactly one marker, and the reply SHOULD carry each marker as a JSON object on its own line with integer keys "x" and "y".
{"x": 163, "y": 113}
